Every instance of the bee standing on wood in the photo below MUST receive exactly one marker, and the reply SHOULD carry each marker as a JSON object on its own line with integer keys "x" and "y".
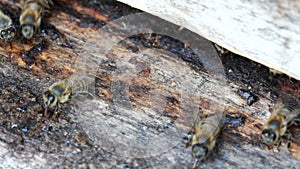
{"x": 81, "y": 83}
{"x": 7, "y": 29}
{"x": 31, "y": 17}
{"x": 204, "y": 134}
{"x": 278, "y": 122}
{"x": 62, "y": 91}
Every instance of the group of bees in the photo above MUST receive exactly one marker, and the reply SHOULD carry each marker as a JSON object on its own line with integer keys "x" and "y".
{"x": 30, "y": 20}
{"x": 204, "y": 132}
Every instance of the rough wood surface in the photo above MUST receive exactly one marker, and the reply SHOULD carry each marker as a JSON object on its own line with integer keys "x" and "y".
{"x": 148, "y": 91}
{"x": 267, "y": 32}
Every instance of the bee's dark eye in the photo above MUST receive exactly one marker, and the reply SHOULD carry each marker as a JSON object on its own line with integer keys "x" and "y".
{"x": 269, "y": 134}
{"x": 3, "y": 33}
{"x": 51, "y": 99}
{"x": 199, "y": 151}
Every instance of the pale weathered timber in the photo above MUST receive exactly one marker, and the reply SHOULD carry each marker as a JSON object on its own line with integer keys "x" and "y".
{"x": 146, "y": 95}
{"x": 267, "y": 32}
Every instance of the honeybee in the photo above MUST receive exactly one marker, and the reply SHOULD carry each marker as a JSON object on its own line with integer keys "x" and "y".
{"x": 31, "y": 17}
{"x": 7, "y": 29}
{"x": 278, "y": 122}
{"x": 205, "y": 133}
{"x": 62, "y": 91}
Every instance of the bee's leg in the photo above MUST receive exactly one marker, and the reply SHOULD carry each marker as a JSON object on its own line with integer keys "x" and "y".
{"x": 197, "y": 161}
{"x": 296, "y": 122}
{"x": 55, "y": 113}
{"x": 187, "y": 138}
{"x": 278, "y": 144}
{"x": 45, "y": 112}
{"x": 293, "y": 122}
{"x": 275, "y": 148}
{"x": 289, "y": 138}
{"x": 216, "y": 150}
{"x": 284, "y": 144}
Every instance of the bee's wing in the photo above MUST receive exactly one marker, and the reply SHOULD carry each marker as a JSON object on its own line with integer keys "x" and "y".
{"x": 286, "y": 101}
{"x": 294, "y": 114}
{"x": 197, "y": 119}
{"x": 216, "y": 115}
{"x": 86, "y": 63}
{"x": 83, "y": 79}
{"x": 212, "y": 125}
{"x": 82, "y": 83}
{"x": 220, "y": 118}
{"x": 277, "y": 106}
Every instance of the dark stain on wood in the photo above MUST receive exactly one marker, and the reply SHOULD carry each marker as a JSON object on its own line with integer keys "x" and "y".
{"x": 248, "y": 96}
{"x": 29, "y": 56}
{"x": 166, "y": 43}
{"x": 24, "y": 131}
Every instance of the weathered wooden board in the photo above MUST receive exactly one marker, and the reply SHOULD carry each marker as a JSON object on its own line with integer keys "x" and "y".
{"x": 267, "y": 32}
{"x": 141, "y": 94}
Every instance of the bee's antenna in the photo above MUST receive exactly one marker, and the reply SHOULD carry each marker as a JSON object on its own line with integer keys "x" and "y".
{"x": 45, "y": 112}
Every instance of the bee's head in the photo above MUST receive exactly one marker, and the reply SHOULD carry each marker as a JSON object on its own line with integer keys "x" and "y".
{"x": 8, "y": 34}
{"x": 28, "y": 30}
{"x": 199, "y": 151}
{"x": 270, "y": 137}
{"x": 270, "y": 134}
{"x": 50, "y": 100}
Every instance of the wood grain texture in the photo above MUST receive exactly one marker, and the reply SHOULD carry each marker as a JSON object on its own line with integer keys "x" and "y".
{"x": 144, "y": 91}
{"x": 267, "y": 32}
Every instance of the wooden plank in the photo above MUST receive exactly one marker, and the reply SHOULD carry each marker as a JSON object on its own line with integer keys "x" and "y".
{"x": 267, "y": 32}
{"x": 141, "y": 94}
